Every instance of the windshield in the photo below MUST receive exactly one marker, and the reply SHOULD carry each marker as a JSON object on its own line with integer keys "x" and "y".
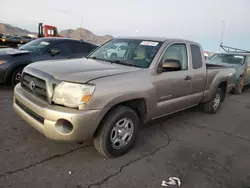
{"x": 35, "y": 45}
{"x": 130, "y": 52}
{"x": 227, "y": 59}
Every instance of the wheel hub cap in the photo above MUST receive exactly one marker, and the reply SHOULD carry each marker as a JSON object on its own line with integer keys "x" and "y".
{"x": 18, "y": 76}
{"x": 216, "y": 101}
{"x": 122, "y": 133}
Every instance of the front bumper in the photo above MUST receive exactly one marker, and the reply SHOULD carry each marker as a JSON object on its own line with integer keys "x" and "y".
{"x": 45, "y": 117}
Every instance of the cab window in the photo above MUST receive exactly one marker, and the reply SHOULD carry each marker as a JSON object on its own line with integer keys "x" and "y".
{"x": 196, "y": 56}
{"x": 63, "y": 47}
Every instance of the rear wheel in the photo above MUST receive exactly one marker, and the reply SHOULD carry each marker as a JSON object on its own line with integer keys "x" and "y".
{"x": 117, "y": 132}
{"x": 212, "y": 106}
{"x": 238, "y": 90}
{"x": 16, "y": 76}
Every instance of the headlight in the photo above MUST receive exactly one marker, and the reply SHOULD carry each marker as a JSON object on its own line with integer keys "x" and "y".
{"x": 72, "y": 95}
{"x": 2, "y": 62}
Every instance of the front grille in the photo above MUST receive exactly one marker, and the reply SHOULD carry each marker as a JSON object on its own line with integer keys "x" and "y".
{"x": 34, "y": 85}
{"x": 31, "y": 113}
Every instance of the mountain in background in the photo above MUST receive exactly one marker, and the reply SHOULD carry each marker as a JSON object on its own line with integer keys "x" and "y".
{"x": 12, "y": 30}
{"x": 85, "y": 34}
{"x": 79, "y": 33}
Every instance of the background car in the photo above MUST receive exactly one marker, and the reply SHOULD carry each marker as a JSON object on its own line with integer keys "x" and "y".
{"x": 240, "y": 62}
{"x": 116, "y": 50}
{"x": 12, "y": 61}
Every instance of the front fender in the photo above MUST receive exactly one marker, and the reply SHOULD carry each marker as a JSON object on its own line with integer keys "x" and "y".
{"x": 12, "y": 67}
{"x": 114, "y": 90}
{"x": 147, "y": 95}
{"x": 3, "y": 69}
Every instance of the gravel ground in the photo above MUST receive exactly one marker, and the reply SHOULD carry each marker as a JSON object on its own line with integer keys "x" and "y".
{"x": 202, "y": 150}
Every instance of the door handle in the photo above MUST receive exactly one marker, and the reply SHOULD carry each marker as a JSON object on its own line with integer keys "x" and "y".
{"x": 188, "y": 78}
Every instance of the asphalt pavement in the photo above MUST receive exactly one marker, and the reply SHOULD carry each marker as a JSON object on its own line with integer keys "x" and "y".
{"x": 201, "y": 150}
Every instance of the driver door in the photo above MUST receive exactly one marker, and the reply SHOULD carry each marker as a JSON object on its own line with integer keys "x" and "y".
{"x": 173, "y": 87}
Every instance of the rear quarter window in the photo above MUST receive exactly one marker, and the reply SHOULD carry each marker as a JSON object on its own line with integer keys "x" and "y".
{"x": 81, "y": 47}
{"x": 196, "y": 56}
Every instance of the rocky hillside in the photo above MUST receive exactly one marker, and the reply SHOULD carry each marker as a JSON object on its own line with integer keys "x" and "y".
{"x": 79, "y": 33}
{"x": 12, "y": 30}
{"x": 85, "y": 34}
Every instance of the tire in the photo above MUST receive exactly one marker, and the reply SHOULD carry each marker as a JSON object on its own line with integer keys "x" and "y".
{"x": 16, "y": 73}
{"x": 107, "y": 135}
{"x": 113, "y": 56}
{"x": 210, "y": 106}
{"x": 238, "y": 90}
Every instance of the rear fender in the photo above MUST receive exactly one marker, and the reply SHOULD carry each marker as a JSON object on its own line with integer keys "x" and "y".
{"x": 208, "y": 94}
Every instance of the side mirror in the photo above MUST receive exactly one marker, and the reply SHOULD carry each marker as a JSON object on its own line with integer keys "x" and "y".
{"x": 54, "y": 52}
{"x": 171, "y": 65}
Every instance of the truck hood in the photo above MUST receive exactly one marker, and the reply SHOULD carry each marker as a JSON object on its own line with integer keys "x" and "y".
{"x": 80, "y": 70}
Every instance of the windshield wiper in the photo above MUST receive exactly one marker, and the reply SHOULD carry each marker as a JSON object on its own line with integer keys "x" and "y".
{"x": 122, "y": 63}
{"x": 95, "y": 58}
{"x": 115, "y": 61}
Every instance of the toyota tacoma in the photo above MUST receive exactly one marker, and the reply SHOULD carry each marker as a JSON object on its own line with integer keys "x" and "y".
{"x": 107, "y": 98}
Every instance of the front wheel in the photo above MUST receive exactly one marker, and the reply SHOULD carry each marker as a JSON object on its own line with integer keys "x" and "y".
{"x": 212, "y": 106}
{"x": 16, "y": 76}
{"x": 117, "y": 132}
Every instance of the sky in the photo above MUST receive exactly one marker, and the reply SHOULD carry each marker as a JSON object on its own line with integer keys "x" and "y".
{"x": 198, "y": 20}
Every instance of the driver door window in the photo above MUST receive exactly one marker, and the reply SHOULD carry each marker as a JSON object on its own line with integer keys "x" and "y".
{"x": 64, "y": 48}
{"x": 177, "y": 52}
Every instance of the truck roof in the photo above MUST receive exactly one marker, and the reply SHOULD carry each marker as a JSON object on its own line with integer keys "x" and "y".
{"x": 159, "y": 39}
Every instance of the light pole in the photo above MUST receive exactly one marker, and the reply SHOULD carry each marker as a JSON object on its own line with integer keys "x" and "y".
{"x": 80, "y": 27}
{"x": 222, "y": 33}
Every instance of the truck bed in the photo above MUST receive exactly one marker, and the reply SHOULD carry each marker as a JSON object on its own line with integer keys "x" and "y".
{"x": 218, "y": 73}
{"x": 212, "y": 66}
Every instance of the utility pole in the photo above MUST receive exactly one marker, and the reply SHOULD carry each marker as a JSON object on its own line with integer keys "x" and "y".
{"x": 81, "y": 26}
{"x": 222, "y": 33}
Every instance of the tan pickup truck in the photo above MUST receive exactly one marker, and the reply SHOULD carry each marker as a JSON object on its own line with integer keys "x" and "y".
{"x": 108, "y": 96}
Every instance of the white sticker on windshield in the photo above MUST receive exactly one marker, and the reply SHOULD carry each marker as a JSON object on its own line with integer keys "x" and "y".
{"x": 44, "y": 43}
{"x": 149, "y": 43}
{"x": 238, "y": 57}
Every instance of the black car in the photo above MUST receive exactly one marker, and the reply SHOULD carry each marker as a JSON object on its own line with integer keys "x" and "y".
{"x": 12, "y": 61}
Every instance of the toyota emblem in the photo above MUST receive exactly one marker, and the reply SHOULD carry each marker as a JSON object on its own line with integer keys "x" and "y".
{"x": 32, "y": 85}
